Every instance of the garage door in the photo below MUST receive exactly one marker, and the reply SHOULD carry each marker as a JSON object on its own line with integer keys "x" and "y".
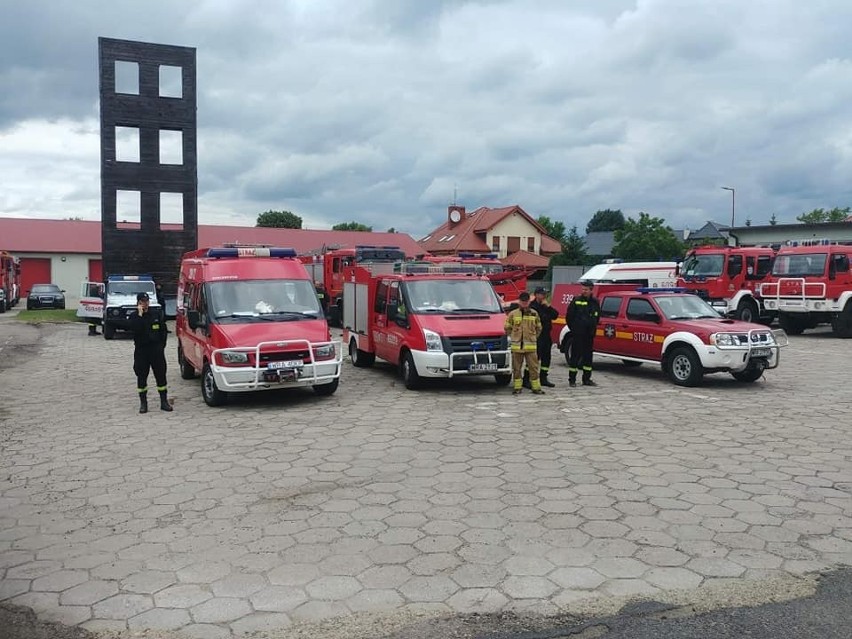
{"x": 34, "y": 270}
{"x": 96, "y": 271}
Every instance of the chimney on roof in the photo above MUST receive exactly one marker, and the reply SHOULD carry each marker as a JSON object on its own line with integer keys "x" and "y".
{"x": 455, "y": 214}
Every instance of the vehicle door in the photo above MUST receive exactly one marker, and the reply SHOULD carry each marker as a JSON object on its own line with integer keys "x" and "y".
{"x": 644, "y": 324}
{"x": 609, "y": 338}
{"x": 384, "y": 349}
{"x": 839, "y": 277}
{"x": 194, "y": 340}
{"x": 398, "y": 321}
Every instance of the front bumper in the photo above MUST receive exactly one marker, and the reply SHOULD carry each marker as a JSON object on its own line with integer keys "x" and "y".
{"x": 464, "y": 363}
{"x": 261, "y": 376}
{"x": 737, "y": 358}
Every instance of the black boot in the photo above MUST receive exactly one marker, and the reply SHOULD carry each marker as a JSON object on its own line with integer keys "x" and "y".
{"x": 143, "y": 403}
{"x": 526, "y": 382}
{"x": 545, "y": 381}
{"x": 164, "y": 402}
{"x": 572, "y": 379}
{"x": 92, "y": 330}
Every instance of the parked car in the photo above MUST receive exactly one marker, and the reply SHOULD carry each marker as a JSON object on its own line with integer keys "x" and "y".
{"x": 45, "y": 296}
{"x": 684, "y": 334}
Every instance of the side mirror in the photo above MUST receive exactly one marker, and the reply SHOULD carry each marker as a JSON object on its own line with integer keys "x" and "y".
{"x": 193, "y": 318}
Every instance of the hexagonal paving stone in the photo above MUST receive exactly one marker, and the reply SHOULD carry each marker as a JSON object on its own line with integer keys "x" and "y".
{"x": 220, "y": 610}
{"x": 148, "y": 582}
{"x": 237, "y": 585}
{"x": 88, "y": 593}
{"x": 382, "y": 577}
{"x": 278, "y": 599}
{"x": 182, "y": 596}
{"x": 333, "y": 588}
{"x": 160, "y": 619}
{"x": 59, "y": 580}
{"x": 294, "y": 574}
{"x": 529, "y": 587}
{"x": 673, "y": 578}
{"x": 374, "y": 600}
{"x": 122, "y": 606}
{"x": 577, "y": 578}
{"x": 478, "y": 600}
{"x": 429, "y": 589}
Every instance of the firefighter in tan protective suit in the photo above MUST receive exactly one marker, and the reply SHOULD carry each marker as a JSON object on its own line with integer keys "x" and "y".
{"x": 523, "y": 326}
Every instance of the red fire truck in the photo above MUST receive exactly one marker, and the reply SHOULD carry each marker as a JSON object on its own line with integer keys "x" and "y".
{"x": 508, "y": 283}
{"x": 248, "y": 319}
{"x": 337, "y": 267}
{"x": 728, "y": 278}
{"x": 811, "y": 284}
{"x": 426, "y": 321}
{"x": 10, "y": 281}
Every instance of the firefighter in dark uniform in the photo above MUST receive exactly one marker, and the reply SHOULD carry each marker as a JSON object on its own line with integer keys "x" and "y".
{"x": 544, "y": 344}
{"x": 149, "y": 337}
{"x": 582, "y": 318}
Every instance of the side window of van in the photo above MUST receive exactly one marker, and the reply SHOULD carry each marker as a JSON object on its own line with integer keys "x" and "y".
{"x": 610, "y": 306}
{"x": 639, "y": 310}
{"x": 188, "y": 290}
{"x": 381, "y": 298}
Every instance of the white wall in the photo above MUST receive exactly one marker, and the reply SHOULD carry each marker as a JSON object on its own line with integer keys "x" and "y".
{"x": 516, "y": 225}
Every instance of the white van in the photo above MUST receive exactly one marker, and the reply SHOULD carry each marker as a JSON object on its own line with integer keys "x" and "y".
{"x": 645, "y": 274}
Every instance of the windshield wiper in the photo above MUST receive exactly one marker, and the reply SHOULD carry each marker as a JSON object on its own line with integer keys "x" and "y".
{"x": 474, "y": 310}
{"x": 291, "y": 314}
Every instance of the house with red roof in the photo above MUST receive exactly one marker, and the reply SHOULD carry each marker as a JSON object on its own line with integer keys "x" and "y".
{"x": 508, "y": 231}
{"x": 67, "y": 252}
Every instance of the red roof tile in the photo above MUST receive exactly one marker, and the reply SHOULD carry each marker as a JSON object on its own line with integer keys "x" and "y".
{"x": 20, "y": 235}
{"x": 525, "y": 258}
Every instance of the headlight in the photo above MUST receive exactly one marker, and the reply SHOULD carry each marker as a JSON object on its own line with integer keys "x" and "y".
{"x": 115, "y": 312}
{"x": 433, "y": 340}
{"x": 723, "y": 339}
{"x": 324, "y": 352}
{"x": 234, "y": 357}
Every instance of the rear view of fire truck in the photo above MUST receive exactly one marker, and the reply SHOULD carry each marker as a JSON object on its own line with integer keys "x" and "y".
{"x": 811, "y": 284}
{"x": 429, "y": 323}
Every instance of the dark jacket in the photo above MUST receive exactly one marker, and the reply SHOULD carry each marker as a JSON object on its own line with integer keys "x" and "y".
{"x": 148, "y": 329}
{"x": 583, "y": 314}
{"x": 546, "y": 314}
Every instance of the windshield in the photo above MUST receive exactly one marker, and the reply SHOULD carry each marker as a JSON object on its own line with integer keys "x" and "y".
{"x": 685, "y": 307}
{"x": 799, "y": 265}
{"x": 451, "y": 296}
{"x": 279, "y": 300}
{"x": 703, "y": 265}
{"x": 45, "y": 288}
{"x": 132, "y": 288}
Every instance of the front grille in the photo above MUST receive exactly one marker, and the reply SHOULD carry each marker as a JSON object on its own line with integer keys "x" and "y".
{"x": 478, "y": 347}
{"x": 283, "y": 356}
{"x": 757, "y": 339}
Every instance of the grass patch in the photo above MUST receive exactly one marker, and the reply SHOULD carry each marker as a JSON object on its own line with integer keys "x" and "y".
{"x": 48, "y": 316}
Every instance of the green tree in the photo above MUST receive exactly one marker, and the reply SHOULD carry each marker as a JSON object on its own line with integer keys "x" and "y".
{"x": 391, "y": 230}
{"x": 773, "y": 220}
{"x": 279, "y": 220}
{"x": 351, "y": 226}
{"x": 821, "y": 215}
{"x": 554, "y": 228}
{"x": 573, "y": 252}
{"x": 647, "y": 238}
{"x": 606, "y": 220}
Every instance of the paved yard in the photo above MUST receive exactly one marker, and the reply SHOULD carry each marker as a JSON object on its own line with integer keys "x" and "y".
{"x": 287, "y": 508}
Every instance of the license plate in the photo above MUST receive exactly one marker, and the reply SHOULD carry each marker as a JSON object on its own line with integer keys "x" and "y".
{"x": 481, "y": 368}
{"x": 290, "y": 363}
{"x": 761, "y": 352}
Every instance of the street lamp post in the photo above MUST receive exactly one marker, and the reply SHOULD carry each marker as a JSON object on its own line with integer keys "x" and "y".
{"x": 733, "y": 202}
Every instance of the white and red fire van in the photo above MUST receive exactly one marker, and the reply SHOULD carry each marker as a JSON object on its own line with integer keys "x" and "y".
{"x": 427, "y": 322}
{"x": 248, "y": 319}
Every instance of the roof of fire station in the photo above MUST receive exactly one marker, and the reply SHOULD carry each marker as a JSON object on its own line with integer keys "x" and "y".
{"x": 20, "y": 235}
{"x": 469, "y": 233}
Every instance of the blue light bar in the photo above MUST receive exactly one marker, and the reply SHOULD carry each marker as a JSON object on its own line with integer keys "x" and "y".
{"x": 674, "y": 289}
{"x": 130, "y": 278}
{"x": 251, "y": 252}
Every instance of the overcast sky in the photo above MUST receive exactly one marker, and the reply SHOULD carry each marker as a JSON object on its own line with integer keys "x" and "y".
{"x": 376, "y": 111}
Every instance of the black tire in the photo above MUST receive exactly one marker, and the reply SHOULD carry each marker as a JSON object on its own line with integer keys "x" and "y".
{"x": 360, "y": 359}
{"x": 109, "y": 331}
{"x": 752, "y": 373}
{"x": 683, "y": 366}
{"x": 324, "y": 390}
{"x": 210, "y": 393}
{"x": 842, "y": 322}
{"x": 629, "y": 363}
{"x": 502, "y": 379}
{"x": 791, "y": 324}
{"x": 187, "y": 370}
{"x": 408, "y": 371}
{"x": 3, "y": 306}
{"x": 747, "y": 311}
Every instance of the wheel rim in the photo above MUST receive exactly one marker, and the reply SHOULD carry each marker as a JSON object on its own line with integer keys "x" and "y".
{"x": 681, "y": 367}
{"x": 353, "y": 352}
{"x": 747, "y": 315}
{"x": 406, "y": 370}
{"x": 209, "y": 384}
